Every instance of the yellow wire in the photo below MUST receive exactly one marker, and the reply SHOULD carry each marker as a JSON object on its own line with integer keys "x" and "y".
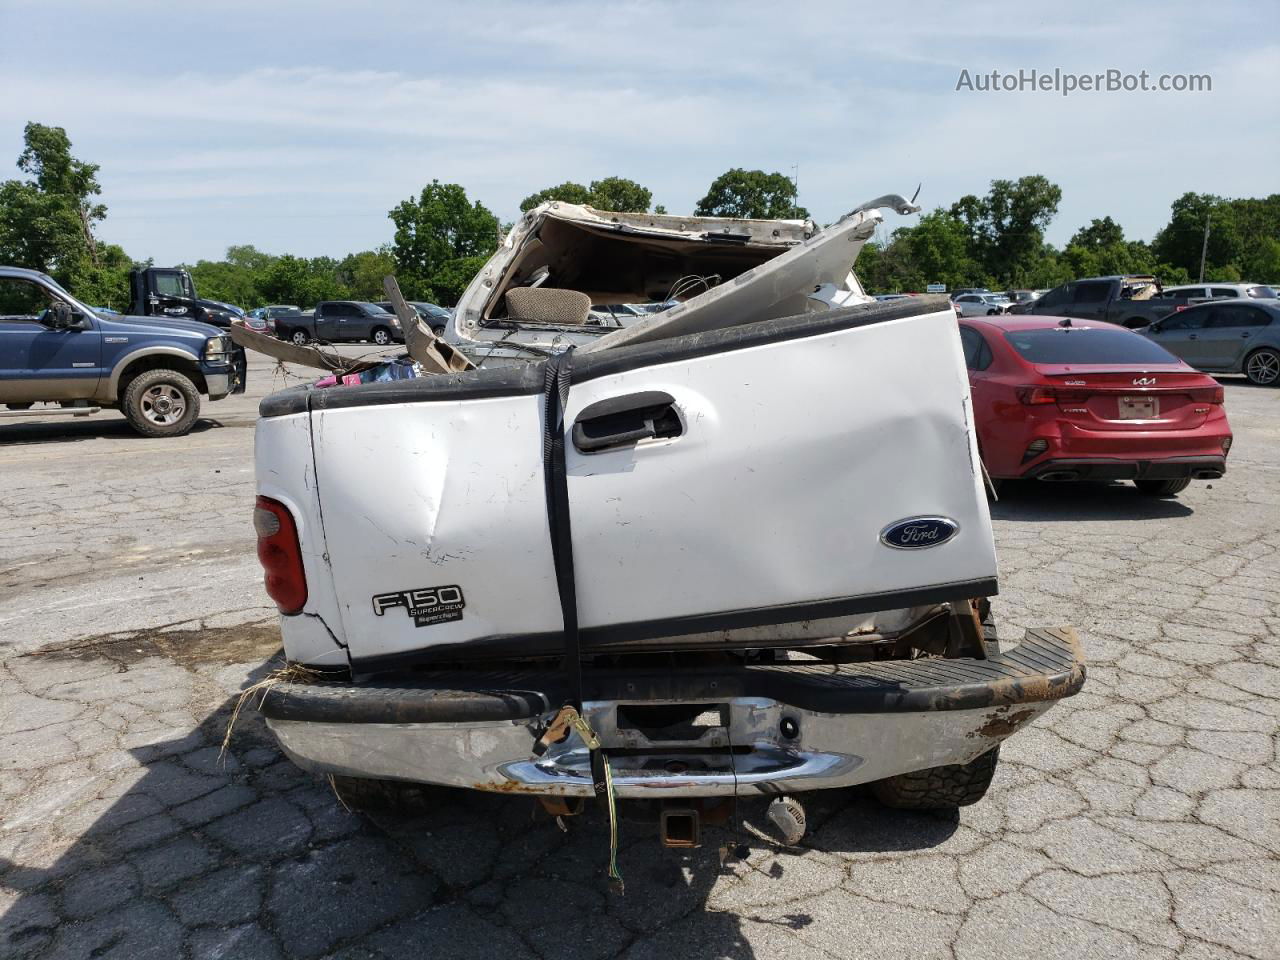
{"x": 615, "y": 877}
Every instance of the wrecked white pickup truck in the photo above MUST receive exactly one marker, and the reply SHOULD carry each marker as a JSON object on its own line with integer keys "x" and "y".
{"x": 739, "y": 546}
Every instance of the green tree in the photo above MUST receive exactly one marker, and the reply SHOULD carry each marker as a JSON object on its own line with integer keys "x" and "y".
{"x": 449, "y": 282}
{"x": 567, "y": 192}
{"x": 248, "y": 257}
{"x": 47, "y": 221}
{"x": 1006, "y": 227}
{"x": 297, "y": 280}
{"x": 611, "y": 193}
{"x": 1180, "y": 241}
{"x": 621, "y": 195}
{"x": 361, "y": 274}
{"x": 1264, "y": 262}
{"x": 1099, "y": 233}
{"x": 1241, "y": 232}
{"x": 751, "y": 194}
{"x": 939, "y": 250}
{"x": 104, "y": 283}
{"x": 433, "y": 232}
{"x": 227, "y": 281}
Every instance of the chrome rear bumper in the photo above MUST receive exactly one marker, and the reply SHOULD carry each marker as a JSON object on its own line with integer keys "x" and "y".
{"x": 826, "y": 725}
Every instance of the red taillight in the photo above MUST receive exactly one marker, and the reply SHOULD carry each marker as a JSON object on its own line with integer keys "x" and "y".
{"x": 280, "y": 555}
{"x": 1034, "y": 395}
{"x": 1215, "y": 395}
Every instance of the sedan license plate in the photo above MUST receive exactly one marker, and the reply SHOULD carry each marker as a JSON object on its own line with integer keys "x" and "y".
{"x": 1139, "y": 408}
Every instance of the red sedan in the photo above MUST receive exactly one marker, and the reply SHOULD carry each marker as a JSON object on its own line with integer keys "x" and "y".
{"x": 1058, "y": 399}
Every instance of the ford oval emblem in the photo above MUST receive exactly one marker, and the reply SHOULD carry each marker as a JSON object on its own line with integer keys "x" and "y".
{"x": 916, "y": 533}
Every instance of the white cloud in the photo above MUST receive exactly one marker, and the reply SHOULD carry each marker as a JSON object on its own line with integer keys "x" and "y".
{"x": 299, "y": 132}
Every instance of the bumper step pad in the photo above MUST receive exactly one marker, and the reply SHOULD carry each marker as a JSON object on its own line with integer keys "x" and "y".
{"x": 1047, "y": 665}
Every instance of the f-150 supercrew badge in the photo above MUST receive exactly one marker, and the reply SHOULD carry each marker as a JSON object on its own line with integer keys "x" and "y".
{"x": 427, "y": 605}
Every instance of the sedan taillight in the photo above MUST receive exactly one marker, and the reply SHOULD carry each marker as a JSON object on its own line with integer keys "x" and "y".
{"x": 1215, "y": 395}
{"x": 280, "y": 555}
{"x": 1033, "y": 396}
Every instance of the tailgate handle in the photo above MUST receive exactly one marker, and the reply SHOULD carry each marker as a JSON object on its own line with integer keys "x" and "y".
{"x": 626, "y": 420}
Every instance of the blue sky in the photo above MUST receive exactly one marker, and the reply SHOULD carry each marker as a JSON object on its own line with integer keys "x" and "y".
{"x": 296, "y": 127}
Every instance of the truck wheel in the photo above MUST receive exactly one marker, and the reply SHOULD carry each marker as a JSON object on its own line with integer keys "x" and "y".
{"x": 299, "y": 338}
{"x": 161, "y": 403}
{"x": 939, "y": 788}
{"x": 391, "y": 796}
{"x": 382, "y": 336}
{"x": 1262, "y": 367}
{"x": 1162, "y": 488}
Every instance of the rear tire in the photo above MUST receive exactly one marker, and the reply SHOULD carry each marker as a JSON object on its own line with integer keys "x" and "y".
{"x": 1162, "y": 488}
{"x": 299, "y": 338}
{"x": 388, "y": 796}
{"x": 953, "y": 785}
{"x": 939, "y": 788}
{"x": 161, "y": 403}
{"x": 1262, "y": 367}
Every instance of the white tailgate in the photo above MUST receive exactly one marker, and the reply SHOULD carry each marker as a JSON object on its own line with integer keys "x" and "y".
{"x": 795, "y": 456}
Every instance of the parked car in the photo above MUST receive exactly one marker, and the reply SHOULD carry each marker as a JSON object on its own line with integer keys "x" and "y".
{"x": 1022, "y": 296}
{"x": 1129, "y": 301}
{"x": 962, "y": 291}
{"x": 436, "y": 316}
{"x": 1219, "y": 291}
{"x": 54, "y": 349}
{"x": 255, "y": 322}
{"x": 337, "y": 321}
{"x": 774, "y": 644}
{"x": 981, "y": 304}
{"x": 1055, "y": 399}
{"x": 269, "y": 315}
{"x": 1226, "y": 336}
{"x": 625, "y": 314}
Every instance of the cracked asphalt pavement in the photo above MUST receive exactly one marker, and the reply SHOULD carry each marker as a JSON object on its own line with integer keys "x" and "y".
{"x": 1139, "y": 819}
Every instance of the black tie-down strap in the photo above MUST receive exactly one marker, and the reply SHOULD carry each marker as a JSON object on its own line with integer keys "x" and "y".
{"x": 555, "y": 394}
{"x": 555, "y": 389}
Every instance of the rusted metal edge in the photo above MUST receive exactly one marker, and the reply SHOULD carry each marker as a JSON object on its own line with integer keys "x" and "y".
{"x": 292, "y": 353}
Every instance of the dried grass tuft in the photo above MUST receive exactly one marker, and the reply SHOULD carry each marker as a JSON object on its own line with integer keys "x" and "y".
{"x": 289, "y": 673}
{"x": 334, "y": 787}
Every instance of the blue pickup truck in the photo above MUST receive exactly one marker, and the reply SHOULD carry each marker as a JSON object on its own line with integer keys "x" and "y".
{"x": 54, "y": 349}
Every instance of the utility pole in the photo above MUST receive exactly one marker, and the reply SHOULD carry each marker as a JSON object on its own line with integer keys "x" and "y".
{"x": 1204, "y": 247}
{"x": 795, "y": 187}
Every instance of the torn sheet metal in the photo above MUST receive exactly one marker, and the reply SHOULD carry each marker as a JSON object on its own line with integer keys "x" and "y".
{"x": 642, "y": 277}
{"x": 433, "y": 354}
{"x": 314, "y": 357}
